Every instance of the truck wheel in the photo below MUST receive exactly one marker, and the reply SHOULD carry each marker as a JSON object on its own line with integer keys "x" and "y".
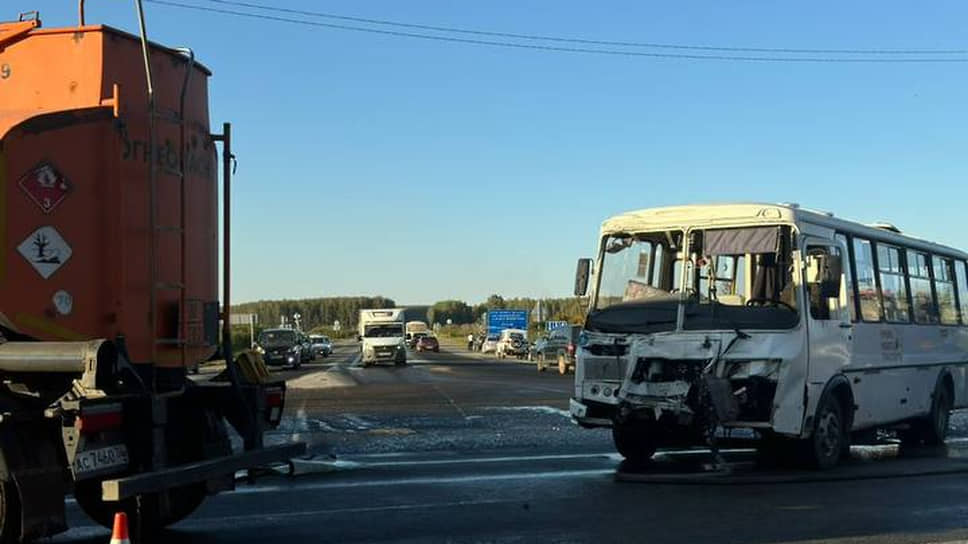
{"x": 9, "y": 513}
{"x": 184, "y": 501}
{"x": 634, "y": 442}
{"x": 828, "y": 443}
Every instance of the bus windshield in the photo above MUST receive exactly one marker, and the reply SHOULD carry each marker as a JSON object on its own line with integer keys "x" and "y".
{"x": 638, "y": 283}
{"x": 742, "y": 279}
{"x": 735, "y": 279}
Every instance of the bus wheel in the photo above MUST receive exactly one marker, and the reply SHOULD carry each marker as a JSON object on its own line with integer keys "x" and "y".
{"x": 634, "y": 442}
{"x": 934, "y": 429}
{"x": 828, "y": 442}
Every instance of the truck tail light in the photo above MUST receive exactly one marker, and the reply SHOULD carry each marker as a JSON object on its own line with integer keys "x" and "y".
{"x": 570, "y": 349}
{"x": 96, "y": 419}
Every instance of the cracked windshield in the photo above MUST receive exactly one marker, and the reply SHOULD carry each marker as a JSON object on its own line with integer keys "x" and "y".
{"x": 494, "y": 272}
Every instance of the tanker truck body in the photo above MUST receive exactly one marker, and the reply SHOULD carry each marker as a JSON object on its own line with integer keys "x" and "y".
{"x": 109, "y": 285}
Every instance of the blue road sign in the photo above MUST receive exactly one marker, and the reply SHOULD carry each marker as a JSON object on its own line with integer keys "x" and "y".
{"x": 499, "y": 320}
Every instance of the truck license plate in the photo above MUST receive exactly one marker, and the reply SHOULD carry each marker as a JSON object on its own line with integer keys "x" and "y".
{"x": 100, "y": 459}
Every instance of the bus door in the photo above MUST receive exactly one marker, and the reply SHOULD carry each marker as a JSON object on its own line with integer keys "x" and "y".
{"x": 829, "y": 328}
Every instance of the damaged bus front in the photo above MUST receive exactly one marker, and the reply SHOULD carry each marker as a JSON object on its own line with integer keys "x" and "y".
{"x": 694, "y": 325}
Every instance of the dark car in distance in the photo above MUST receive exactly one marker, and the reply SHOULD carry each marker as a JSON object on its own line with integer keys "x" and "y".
{"x": 280, "y": 347}
{"x": 427, "y": 343}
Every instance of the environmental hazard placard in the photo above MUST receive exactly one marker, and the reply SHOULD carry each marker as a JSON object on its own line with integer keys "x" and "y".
{"x": 46, "y": 250}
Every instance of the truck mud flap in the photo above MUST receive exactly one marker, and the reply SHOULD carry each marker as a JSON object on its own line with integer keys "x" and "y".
{"x": 159, "y": 480}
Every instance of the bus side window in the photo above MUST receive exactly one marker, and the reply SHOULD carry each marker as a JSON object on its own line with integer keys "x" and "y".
{"x": 962, "y": 290}
{"x": 824, "y": 272}
{"x": 944, "y": 288}
{"x": 848, "y": 276}
{"x": 870, "y": 300}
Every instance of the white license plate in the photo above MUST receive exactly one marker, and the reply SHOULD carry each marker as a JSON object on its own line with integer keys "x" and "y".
{"x": 659, "y": 389}
{"x": 576, "y": 408}
{"x": 91, "y": 461}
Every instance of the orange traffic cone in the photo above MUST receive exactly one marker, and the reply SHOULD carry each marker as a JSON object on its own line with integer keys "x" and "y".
{"x": 120, "y": 533}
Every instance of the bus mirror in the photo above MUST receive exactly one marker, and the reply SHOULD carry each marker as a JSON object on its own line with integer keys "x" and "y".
{"x": 581, "y": 276}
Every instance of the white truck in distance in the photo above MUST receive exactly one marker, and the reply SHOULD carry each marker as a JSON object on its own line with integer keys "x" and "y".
{"x": 381, "y": 336}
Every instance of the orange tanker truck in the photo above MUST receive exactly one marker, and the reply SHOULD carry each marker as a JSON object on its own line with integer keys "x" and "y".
{"x": 109, "y": 285}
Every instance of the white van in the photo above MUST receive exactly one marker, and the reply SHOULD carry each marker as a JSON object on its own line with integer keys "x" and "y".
{"x": 381, "y": 336}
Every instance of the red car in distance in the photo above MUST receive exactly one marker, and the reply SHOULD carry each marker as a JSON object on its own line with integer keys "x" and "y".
{"x": 428, "y": 343}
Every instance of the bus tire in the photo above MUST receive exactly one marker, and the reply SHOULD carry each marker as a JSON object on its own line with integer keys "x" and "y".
{"x": 934, "y": 429}
{"x": 634, "y": 442}
{"x": 829, "y": 440}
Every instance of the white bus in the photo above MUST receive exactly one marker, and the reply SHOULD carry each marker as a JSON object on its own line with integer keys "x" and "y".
{"x": 795, "y": 323}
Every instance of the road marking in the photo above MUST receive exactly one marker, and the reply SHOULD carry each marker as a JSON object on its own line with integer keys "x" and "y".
{"x": 434, "y": 480}
{"x": 359, "y": 509}
{"x": 451, "y": 401}
{"x": 477, "y": 460}
{"x": 539, "y": 409}
{"x": 357, "y": 422}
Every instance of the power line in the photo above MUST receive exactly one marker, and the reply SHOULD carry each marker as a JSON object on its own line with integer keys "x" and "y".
{"x": 538, "y": 47}
{"x": 559, "y": 39}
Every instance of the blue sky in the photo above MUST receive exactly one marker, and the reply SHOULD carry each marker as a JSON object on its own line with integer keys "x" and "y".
{"x": 428, "y": 170}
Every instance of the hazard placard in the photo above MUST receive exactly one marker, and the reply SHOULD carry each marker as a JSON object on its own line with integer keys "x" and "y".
{"x": 46, "y": 250}
{"x": 46, "y": 186}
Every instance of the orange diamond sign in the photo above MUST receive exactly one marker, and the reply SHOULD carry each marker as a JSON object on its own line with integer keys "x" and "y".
{"x": 45, "y": 186}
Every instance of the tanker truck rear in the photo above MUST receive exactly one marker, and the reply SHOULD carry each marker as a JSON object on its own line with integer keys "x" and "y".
{"x": 109, "y": 285}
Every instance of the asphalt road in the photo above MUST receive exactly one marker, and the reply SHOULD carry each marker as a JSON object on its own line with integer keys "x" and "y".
{"x": 459, "y": 448}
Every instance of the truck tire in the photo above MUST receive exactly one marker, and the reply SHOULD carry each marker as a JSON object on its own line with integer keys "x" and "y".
{"x": 9, "y": 513}
{"x": 634, "y": 442}
{"x": 183, "y": 500}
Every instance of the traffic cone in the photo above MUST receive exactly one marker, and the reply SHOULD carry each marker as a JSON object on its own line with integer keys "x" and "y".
{"x": 120, "y": 533}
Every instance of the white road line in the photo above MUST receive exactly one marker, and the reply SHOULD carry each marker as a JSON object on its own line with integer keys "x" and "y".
{"x": 482, "y": 460}
{"x": 360, "y": 509}
{"x": 432, "y": 481}
{"x": 451, "y": 401}
{"x": 358, "y": 422}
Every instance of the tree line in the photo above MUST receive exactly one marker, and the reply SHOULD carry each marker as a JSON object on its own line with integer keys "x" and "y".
{"x": 571, "y": 309}
{"x": 315, "y": 313}
{"x": 320, "y": 313}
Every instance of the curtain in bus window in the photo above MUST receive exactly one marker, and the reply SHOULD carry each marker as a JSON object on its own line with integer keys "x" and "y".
{"x": 870, "y": 302}
{"x": 893, "y": 291}
{"x": 920, "y": 277}
{"x": 944, "y": 287}
{"x": 742, "y": 241}
{"x": 962, "y": 290}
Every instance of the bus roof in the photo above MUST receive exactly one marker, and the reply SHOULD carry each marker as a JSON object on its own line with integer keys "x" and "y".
{"x": 753, "y": 213}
